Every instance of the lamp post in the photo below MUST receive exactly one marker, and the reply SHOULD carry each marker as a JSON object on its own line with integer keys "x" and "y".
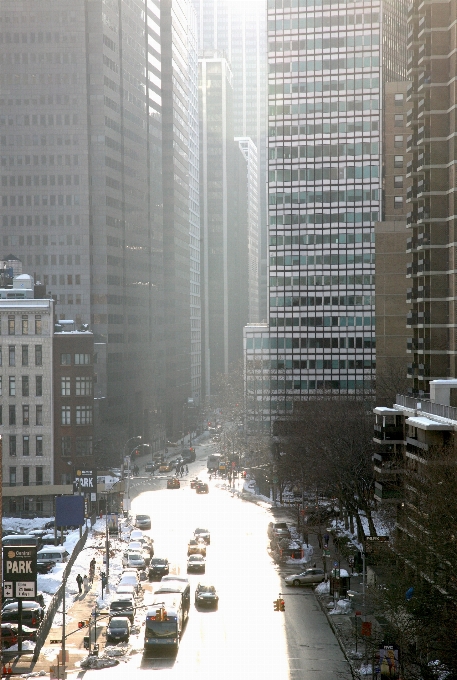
{"x": 138, "y": 436}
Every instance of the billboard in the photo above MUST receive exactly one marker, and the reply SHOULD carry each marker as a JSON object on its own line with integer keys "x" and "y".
{"x": 69, "y": 511}
{"x": 19, "y": 571}
{"x": 85, "y": 482}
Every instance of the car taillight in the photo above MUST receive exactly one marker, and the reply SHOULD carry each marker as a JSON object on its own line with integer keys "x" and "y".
{"x": 33, "y": 622}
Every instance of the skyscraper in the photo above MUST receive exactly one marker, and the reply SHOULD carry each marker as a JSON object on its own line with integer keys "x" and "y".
{"x": 431, "y": 270}
{"x": 81, "y": 179}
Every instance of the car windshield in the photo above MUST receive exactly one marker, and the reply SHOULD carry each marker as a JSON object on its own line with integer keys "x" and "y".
{"x": 118, "y": 623}
{"x": 142, "y": 517}
{"x": 207, "y": 589}
{"x": 158, "y": 563}
{"x": 135, "y": 556}
{"x": 193, "y": 542}
{"x": 161, "y": 629}
{"x": 201, "y": 531}
{"x": 121, "y": 604}
{"x": 195, "y": 558}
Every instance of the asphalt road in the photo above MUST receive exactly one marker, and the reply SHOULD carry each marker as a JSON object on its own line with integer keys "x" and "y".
{"x": 245, "y": 638}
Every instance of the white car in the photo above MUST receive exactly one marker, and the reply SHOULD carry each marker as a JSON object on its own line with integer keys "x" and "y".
{"x": 196, "y": 563}
{"x": 135, "y": 546}
{"x": 130, "y": 578}
{"x": 307, "y": 577}
{"x": 126, "y": 590}
{"x": 133, "y": 559}
{"x": 136, "y": 535}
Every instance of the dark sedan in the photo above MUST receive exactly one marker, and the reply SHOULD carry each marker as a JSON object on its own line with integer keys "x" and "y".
{"x": 196, "y": 563}
{"x": 158, "y": 567}
{"x": 32, "y": 613}
{"x": 206, "y": 596}
{"x": 9, "y": 634}
{"x": 118, "y": 629}
{"x": 202, "y": 488}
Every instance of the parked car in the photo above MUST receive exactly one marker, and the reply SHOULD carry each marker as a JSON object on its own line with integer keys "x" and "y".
{"x": 188, "y": 455}
{"x": 150, "y": 467}
{"x": 203, "y": 533}
{"x": 136, "y": 535}
{"x": 143, "y": 521}
{"x": 32, "y": 613}
{"x": 118, "y": 629}
{"x": 206, "y": 596}
{"x": 196, "y": 563}
{"x": 38, "y": 598}
{"x": 195, "y": 547}
{"x": 44, "y": 567}
{"x": 9, "y": 634}
{"x": 173, "y": 483}
{"x": 158, "y": 567}
{"x": 124, "y": 606}
{"x": 122, "y": 590}
{"x": 202, "y": 488}
{"x": 130, "y": 578}
{"x": 307, "y": 577}
{"x": 194, "y": 482}
{"x": 54, "y": 554}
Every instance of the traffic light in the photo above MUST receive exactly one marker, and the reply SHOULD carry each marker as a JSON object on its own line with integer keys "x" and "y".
{"x": 282, "y": 606}
{"x": 276, "y": 605}
{"x": 103, "y": 575}
{"x": 81, "y": 624}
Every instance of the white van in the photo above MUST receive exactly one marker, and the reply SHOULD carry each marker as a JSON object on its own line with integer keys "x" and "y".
{"x": 55, "y": 554}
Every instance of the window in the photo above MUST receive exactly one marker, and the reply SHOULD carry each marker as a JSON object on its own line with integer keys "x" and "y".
{"x": 39, "y": 475}
{"x": 12, "y": 355}
{"x": 66, "y": 446}
{"x": 398, "y": 161}
{"x": 26, "y": 476}
{"x": 65, "y": 387}
{"x": 65, "y": 359}
{"x": 25, "y": 445}
{"x": 38, "y": 324}
{"x": 1, "y": 356}
{"x": 39, "y": 415}
{"x": 12, "y": 475}
{"x": 39, "y": 445}
{"x": 25, "y": 355}
{"x": 83, "y": 387}
{"x": 1, "y": 381}
{"x": 84, "y": 415}
{"x": 12, "y": 443}
{"x": 65, "y": 478}
{"x": 12, "y": 414}
{"x": 398, "y": 202}
{"x": 25, "y": 324}
{"x": 1, "y": 414}
{"x": 11, "y": 324}
{"x": 12, "y": 386}
{"x": 81, "y": 359}
{"x": 66, "y": 419}
{"x": 398, "y": 120}
{"x": 38, "y": 355}
{"x": 399, "y": 98}
{"x": 38, "y": 385}
{"x": 25, "y": 385}
{"x": 39, "y": 507}
{"x": 398, "y": 181}
{"x": 83, "y": 446}
{"x": 25, "y": 414}
{"x": 398, "y": 141}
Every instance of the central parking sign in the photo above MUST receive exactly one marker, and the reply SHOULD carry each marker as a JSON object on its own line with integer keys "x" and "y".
{"x": 19, "y": 571}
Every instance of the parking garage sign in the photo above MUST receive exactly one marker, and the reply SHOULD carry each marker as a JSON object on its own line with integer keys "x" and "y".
{"x": 85, "y": 483}
{"x": 19, "y": 571}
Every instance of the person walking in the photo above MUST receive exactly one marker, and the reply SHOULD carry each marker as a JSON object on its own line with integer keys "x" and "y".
{"x": 79, "y": 581}
{"x": 92, "y": 570}
{"x": 187, "y": 469}
{"x": 86, "y": 583}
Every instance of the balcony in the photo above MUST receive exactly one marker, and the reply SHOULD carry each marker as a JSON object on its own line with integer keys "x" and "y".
{"x": 385, "y": 492}
{"x": 388, "y": 433}
{"x": 388, "y": 463}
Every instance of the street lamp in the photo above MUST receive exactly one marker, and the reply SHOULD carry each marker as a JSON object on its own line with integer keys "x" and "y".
{"x": 138, "y": 436}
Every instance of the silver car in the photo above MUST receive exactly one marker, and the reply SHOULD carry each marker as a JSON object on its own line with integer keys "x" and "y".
{"x": 132, "y": 559}
{"x": 307, "y": 577}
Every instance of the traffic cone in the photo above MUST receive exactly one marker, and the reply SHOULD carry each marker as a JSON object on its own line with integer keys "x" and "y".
{"x": 10, "y": 670}
{"x": 4, "y": 670}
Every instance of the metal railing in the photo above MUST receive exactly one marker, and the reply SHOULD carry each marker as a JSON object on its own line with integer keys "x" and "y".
{"x": 427, "y": 406}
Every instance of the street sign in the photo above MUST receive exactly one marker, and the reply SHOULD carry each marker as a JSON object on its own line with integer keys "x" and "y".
{"x": 19, "y": 571}
{"x": 326, "y": 553}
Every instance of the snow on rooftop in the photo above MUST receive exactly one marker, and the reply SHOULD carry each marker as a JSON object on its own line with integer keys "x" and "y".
{"x": 427, "y": 424}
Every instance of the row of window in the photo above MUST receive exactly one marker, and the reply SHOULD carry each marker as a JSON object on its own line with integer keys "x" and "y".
{"x": 52, "y": 160}
{"x": 35, "y": 119}
{"x": 42, "y": 199}
{"x": 38, "y": 140}
{"x": 24, "y": 354}
{"x": 323, "y": 150}
{"x": 322, "y": 321}
{"x": 336, "y": 64}
{"x": 82, "y": 388}
{"x": 340, "y": 300}
{"x": 23, "y": 326}
{"x": 330, "y": 106}
{"x": 317, "y": 260}
{"x": 26, "y": 477}
{"x": 323, "y": 218}
{"x": 320, "y": 21}
{"x": 25, "y": 384}
{"x": 319, "y": 128}
{"x": 79, "y": 359}
{"x": 254, "y": 363}
{"x": 79, "y": 446}
{"x": 26, "y": 415}
{"x": 13, "y": 442}
{"x": 340, "y": 237}
{"x": 320, "y": 364}
{"x": 318, "y": 174}
{"x": 310, "y": 44}
{"x": 343, "y": 280}
{"x": 28, "y": 180}
{"x": 83, "y": 415}
{"x": 308, "y": 343}
{"x": 307, "y": 197}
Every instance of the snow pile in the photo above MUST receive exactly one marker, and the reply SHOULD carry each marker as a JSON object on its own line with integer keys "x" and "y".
{"x": 323, "y": 588}
{"x": 122, "y": 649}
{"x": 27, "y": 646}
{"x": 366, "y": 669}
{"x": 23, "y": 526}
{"x": 35, "y": 674}
{"x": 94, "y": 662}
{"x": 341, "y": 607}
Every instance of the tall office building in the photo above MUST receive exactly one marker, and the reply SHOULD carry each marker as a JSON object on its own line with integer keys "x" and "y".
{"x": 431, "y": 269}
{"x": 325, "y": 84}
{"x": 81, "y": 183}
{"x": 237, "y": 30}
{"x": 180, "y": 209}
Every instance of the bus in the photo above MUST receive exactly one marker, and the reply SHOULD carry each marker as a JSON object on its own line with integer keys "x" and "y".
{"x": 167, "y": 615}
{"x": 214, "y": 461}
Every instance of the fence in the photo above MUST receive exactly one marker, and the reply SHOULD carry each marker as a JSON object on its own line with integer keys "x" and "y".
{"x": 51, "y": 610}
{"x": 427, "y": 406}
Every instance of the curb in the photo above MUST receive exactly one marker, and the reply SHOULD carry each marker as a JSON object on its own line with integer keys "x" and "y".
{"x": 354, "y": 672}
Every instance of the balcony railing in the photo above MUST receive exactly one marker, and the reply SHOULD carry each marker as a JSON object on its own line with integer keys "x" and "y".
{"x": 427, "y": 406}
{"x": 388, "y": 432}
{"x": 387, "y": 492}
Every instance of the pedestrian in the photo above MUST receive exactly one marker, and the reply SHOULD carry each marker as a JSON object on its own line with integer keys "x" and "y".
{"x": 187, "y": 469}
{"x": 326, "y": 539}
{"x": 92, "y": 569}
{"x": 86, "y": 583}
{"x": 79, "y": 581}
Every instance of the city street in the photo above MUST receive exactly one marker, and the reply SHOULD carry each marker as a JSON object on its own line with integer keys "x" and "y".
{"x": 245, "y": 637}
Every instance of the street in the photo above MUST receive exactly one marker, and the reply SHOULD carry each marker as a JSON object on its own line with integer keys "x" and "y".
{"x": 244, "y": 637}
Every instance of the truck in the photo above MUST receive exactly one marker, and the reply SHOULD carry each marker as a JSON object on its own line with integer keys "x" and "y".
{"x": 214, "y": 460}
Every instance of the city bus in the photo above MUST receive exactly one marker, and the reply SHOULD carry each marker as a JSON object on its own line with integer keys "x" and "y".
{"x": 214, "y": 460}
{"x": 166, "y": 616}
